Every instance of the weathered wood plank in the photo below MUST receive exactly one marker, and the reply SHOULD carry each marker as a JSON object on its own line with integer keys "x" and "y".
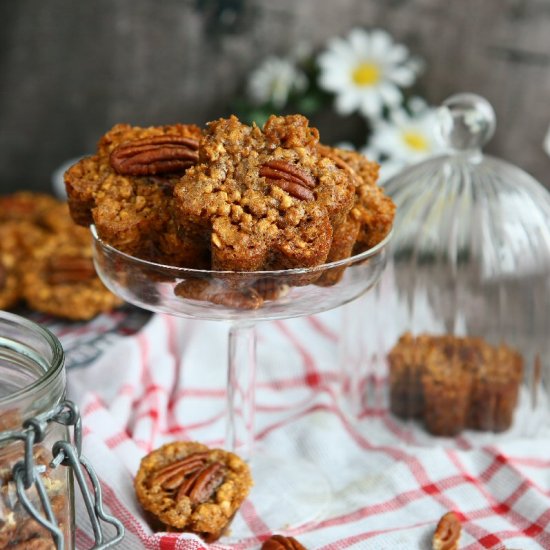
{"x": 70, "y": 70}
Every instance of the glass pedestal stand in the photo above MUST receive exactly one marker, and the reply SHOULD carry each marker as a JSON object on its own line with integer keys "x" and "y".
{"x": 285, "y": 494}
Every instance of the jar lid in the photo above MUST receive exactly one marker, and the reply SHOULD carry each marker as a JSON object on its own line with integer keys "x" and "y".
{"x": 465, "y": 201}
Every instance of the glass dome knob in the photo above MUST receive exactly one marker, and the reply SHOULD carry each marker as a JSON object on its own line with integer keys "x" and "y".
{"x": 466, "y": 122}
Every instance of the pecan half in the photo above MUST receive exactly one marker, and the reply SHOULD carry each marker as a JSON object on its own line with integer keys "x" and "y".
{"x": 167, "y": 477}
{"x": 193, "y": 477}
{"x": 155, "y": 155}
{"x": 205, "y": 483}
{"x": 69, "y": 269}
{"x": 447, "y": 533}
{"x": 280, "y": 542}
{"x": 291, "y": 178}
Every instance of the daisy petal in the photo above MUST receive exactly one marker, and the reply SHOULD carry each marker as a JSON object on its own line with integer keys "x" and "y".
{"x": 403, "y": 76}
{"x": 390, "y": 94}
{"x": 346, "y": 102}
{"x": 360, "y": 42}
{"x": 397, "y": 54}
{"x": 371, "y": 104}
{"x": 381, "y": 43}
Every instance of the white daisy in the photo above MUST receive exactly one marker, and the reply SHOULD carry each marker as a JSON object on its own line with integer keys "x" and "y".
{"x": 407, "y": 138}
{"x": 274, "y": 80}
{"x": 366, "y": 71}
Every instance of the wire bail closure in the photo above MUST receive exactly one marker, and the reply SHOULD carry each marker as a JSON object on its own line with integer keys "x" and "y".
{"x": 26, "y": 474}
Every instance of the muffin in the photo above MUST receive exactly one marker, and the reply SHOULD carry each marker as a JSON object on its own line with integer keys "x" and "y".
{"x": 186, "y": 486}
{"x": 454, "y": 383}
{"x": 263, "y": 198}
{"x": 371, "y": 216}
{"x": 126, "y": 191}
{"x": 232, "y": 198}
{"x": 60, "y": 278}
{"x": 17, "y": 240}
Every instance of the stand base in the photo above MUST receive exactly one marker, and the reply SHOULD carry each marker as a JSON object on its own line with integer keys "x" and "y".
{"x": 286, "y": 496}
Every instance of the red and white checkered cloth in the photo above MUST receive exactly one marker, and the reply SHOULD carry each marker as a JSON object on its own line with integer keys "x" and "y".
{"x": 167, "y": 382}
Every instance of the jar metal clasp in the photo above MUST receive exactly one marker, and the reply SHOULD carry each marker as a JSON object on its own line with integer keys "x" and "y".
{"x": 27, "y": 474}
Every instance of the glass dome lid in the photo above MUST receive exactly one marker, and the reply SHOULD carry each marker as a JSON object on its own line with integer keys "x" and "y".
{"x": 464, "y": 204}
{"x": 463, "y": 312}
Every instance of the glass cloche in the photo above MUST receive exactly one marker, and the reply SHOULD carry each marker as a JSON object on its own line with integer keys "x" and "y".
{"x": 457, "y": 343}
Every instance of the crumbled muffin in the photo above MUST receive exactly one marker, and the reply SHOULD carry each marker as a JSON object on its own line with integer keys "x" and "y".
{"x": 186, "y": 486}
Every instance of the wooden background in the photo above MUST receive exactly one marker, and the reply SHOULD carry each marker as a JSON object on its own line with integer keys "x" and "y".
{"x": 69, "y": 69}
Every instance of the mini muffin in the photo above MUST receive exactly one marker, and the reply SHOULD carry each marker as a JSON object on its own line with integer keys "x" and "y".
{"x": 126, "y": 191}
{"x": 454, "y": 383}
{"x": 495, "y": 389}
{"x": 264, "y": 198}
{"x": 406, "y": 363}
{"x": 17, "y": 239}
{"x": 373, "y": 211}
{"x": 446, "y": 383}
{"x": 186, "y": 486}
{"x": 26, "y": 206}
{"x": 60, "y": 278}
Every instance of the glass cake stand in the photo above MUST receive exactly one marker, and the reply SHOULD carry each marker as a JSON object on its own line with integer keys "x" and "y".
{"x": 288, "y": 495}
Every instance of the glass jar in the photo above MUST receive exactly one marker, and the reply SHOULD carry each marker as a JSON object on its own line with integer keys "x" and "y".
{"x": 38, "y": 460}
{"x": 455, "y": 339}
{"x": 32, "y": 383}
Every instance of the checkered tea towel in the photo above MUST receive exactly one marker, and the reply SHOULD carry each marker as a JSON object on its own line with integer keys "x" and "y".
{"x": 167, "y": 382}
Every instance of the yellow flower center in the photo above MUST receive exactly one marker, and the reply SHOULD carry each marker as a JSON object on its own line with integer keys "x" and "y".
{"x": 366, "y": 74}
{"x": 416, "y": 141}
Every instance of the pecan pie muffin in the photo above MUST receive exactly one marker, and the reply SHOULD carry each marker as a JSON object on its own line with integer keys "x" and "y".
{"x": 26, "y": 206}
{"x": 454, "y": 383}
{"x": 233, "y": 198}
{"x": 186, "y": 486}
{"x": 264, "y": 198}
{"x": 59, "y": 278}
{"x": 17, "y": 240}
{"x": 126, "y": 191}
{"x": 371, "y": 217}
{"x": 46, "y": 260}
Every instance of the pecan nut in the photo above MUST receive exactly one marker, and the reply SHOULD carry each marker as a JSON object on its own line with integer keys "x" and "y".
{"x": 204, "y": 483}
{"x": 280, "y": 542}
{"x": 155, "y": 155}
{"x": 70, "y": 269}
{"x": 193, "y": 477}
{"x": 167, "y": 477}
{"x": 447, "y": 533}
{"x": 291, "y": 178}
